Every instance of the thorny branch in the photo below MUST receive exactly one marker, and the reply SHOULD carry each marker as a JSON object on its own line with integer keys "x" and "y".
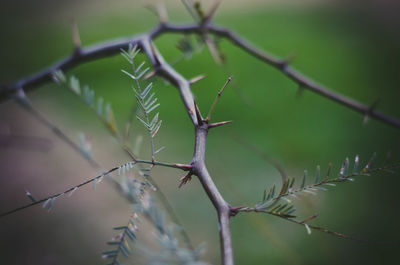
{"x": 201, "y": 126}
{"x": 82, "y": 55}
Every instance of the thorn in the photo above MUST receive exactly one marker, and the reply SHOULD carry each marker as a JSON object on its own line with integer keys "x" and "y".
{"x": 212, "y": 47}
{"x": 211, "y": 12}
{"x": 149, "y": 75}
{"x": 369, "y": 111}
{"x": 185, "y": 167}
{"x": 185, "y": 179}
{"x": 290, "y": 57}
{"x": 198, "y": 114}
{"x": 160, "y": 10}
{"x": 76, "y": 40}
{"x": 196, "y": 78}
{"x": 217, "y": 124}
{"x": 190, "y": 8}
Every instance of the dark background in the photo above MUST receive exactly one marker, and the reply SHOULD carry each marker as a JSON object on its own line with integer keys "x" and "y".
{"x": 351, "y": 47}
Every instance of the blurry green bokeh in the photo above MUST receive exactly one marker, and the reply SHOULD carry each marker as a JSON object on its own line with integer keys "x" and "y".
{"x": 341, "y": 48}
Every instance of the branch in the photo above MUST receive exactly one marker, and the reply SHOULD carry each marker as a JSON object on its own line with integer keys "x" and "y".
{"x": 94, "y": 180}
{"x": 198, "y": 167}
{"x": 113, "y": 47}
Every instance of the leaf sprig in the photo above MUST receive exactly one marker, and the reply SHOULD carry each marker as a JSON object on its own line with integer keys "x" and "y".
{"x": 147, "y": 102}
{"x": 87, "y": 95}
{"x": 271, "y": 202}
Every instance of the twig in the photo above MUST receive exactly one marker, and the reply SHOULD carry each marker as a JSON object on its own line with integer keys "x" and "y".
{"x": 217, "y": 98}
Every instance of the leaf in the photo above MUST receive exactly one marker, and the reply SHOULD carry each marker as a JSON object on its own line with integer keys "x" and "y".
{"x": 100, "y": 102}
{"x": 74, "y": 85}
{"x": 139, "y": 67}
{"x": 59, "y": 77}
{"x": 130, "y": 234}
{"x": 344, "y": 168}
{"x": 51, "y": 203}
{"x": 154, "y": 107}
{"x": 72, "y": 191}
{"x": 146, "y": 103}
{"x": 317, "y": 174}
{"x": 291, "y": 183}
{"x": 308, "y": 191}
{"x": 265, "y": 195}
{"x": 308, "y": 229}
{"x": 303, "y": 183}
{"x": 126, "y": 56}
{"x": 159, "y": 150}
{"x": 27, "y": 193}
{"x": 144, "y": 123}
{"x": 148, "y": 106}
{"x": 46, "y": 202}
{"x": 155, "y": 131}
{"x": 146, "y": 91}
{"x": 356, "y": 161}
{"x": 328, "y": 172}
{"x": 143, "y": 73}
{"x": 370, "y": 163}
{"x": 129, "y": 74}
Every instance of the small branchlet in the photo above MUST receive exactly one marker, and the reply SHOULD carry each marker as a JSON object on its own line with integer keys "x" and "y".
{"x": 217, "y": 98}
{"x": 147, "y": 102}
{"x": 102, "y": 109}
{"x": 281, "y": 204}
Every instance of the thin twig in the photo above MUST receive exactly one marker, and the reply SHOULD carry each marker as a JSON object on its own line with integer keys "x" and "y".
{"x": 217, "y": 98}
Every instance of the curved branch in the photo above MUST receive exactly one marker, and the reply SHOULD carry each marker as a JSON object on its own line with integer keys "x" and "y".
{"x": 302, "y": 80}
{"x": 105, "y": 49}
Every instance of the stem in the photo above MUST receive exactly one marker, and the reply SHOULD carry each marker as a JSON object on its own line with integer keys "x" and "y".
{"x": 222, "y": 207}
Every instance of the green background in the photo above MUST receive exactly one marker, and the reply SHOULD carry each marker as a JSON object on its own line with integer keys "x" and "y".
{"x": 349, "y": 49}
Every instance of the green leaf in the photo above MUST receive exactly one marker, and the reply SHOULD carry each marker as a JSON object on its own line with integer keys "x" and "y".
{"x": 153, "y": 108}
{"x": 317, "y": 174}
{"x": 356, "y": 162}
{"x": 328, "y": 172}
{"x": 155, "y": 131}
{"x": 129, "y": 74}
{"x": 303, "y": 183}
{"x": 370, "y": 163}
{"x": 27, "y": 193}
{"x": 146, "y": 91}
{"x": 308, "y": 229}
{"x": 139, "y": 67}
